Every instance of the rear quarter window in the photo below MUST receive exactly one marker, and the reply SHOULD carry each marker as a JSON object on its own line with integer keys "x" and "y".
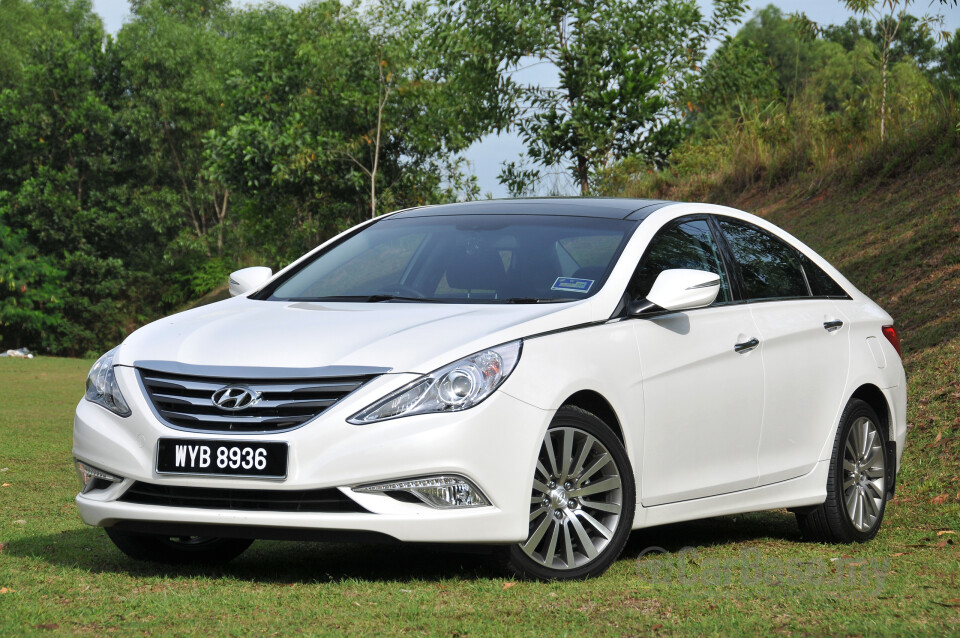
{"x": 821, "y": 284}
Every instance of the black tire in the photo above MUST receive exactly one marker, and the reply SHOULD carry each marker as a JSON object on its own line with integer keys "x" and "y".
{"x": 173, "y": 550}
{"x": 561, "y": 514}
{"x": 856, "y": 493}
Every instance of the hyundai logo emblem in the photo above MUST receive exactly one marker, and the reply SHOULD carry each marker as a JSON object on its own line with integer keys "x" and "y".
{"x": 235, "y": 397}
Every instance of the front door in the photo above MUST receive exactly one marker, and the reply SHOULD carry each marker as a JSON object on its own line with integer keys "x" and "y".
{"x": 702, "y": 380}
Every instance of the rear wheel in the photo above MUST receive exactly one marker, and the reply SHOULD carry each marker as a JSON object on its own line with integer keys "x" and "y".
{"x": 581, "y": 504}
{"x": 178, "y": 550}
{"x": 857, "y": 482}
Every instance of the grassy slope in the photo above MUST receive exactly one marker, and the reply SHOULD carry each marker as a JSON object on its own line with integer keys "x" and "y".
{"x": 896, "y": 237}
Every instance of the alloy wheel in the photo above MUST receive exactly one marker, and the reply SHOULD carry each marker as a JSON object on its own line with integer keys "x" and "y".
{"x": 864, "y": 474}
{"x": 577, "y": 500}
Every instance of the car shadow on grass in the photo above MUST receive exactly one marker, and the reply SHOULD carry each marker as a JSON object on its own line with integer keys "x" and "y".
{"x": 278, "y": 562}
{"x": 751, "y": 528}
{"x": 283, "y": 562}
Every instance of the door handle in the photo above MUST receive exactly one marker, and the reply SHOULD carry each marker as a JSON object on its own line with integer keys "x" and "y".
{"x": 746, "y": 346}
{"x": 832, "y": 326}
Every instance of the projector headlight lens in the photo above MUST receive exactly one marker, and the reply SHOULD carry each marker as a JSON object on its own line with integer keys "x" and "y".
{"x": 458, "y": 386}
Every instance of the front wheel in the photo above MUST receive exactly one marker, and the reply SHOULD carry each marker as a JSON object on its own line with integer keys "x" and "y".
{"x": 581, "y": 504}
{"x": 856, "y": 484}
{"x": 178, "y": 550}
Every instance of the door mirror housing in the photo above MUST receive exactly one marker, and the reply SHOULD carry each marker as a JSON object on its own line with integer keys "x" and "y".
{"x": 678, "y": 289}
{"x": 248, "y": 279}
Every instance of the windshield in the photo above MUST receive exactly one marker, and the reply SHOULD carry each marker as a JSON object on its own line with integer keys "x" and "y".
{"x": 464, "y": 259}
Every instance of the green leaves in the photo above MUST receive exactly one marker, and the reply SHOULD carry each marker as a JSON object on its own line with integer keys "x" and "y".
{"x": 202, "y": 137}
{"x": 333, "y": 112}
{"x": 622, "y": 67}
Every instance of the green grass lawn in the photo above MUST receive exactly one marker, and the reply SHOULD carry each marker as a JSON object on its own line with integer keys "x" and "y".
{"x": 748, "y": 574}
{"x": 745, "y": 574}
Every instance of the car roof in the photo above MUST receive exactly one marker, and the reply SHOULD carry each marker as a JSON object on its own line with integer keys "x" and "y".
{"x": 603, "y": 207}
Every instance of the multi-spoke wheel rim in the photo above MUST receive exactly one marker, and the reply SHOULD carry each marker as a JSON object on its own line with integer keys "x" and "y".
{"x": 576, "y": 501}
{"x": 864, "y": 474}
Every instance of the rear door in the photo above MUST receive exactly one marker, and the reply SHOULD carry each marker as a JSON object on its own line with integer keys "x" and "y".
{"x": 804, "y": 344}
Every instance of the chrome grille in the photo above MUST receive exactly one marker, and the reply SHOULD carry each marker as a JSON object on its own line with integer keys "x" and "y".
{"x": 186, "y": 401}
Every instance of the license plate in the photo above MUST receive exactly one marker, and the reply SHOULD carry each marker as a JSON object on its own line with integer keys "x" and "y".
{"x": 223, "y": 458}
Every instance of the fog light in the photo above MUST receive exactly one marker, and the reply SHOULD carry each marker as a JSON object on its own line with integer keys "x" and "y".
{"x": 441, "y": 492}
{"x": 93, "y": 478}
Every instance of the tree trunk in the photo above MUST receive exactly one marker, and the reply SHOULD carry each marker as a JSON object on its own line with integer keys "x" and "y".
{"x": 373, "y": 183}
{"x": 583, "y": 174}
{"x": 383, "y": 93}
{"x": 221, "y": 219}
{"x": 883, "y": 97}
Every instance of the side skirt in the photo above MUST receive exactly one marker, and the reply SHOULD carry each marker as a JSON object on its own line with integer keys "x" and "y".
{"x": 810, "y": 489}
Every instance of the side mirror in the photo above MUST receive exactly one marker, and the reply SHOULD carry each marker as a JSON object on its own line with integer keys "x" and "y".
{"x": 678, "y": 289}
{"x": 247, "y": 279}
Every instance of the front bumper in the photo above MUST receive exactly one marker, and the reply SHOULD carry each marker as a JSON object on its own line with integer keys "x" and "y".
{"x": 494, "y": 444}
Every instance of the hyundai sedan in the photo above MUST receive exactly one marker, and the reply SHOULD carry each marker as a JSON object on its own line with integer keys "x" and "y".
{"x": 540, "y": 375}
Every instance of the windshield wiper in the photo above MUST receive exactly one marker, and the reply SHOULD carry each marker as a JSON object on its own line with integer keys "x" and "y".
{"x": 360, "y": 298}
{"x": 384, "y": 297}
{"x": 534, "y": 300}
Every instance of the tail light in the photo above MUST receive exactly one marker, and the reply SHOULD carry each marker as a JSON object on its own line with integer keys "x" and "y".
{"x": 891, "y": 334}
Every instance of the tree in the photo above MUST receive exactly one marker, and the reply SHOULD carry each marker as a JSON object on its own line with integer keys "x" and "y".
{"x": 789, "y": 44}
{"x": 333, "y": 113}
{"x": 735, "y": 77}
{"x": 56, "y": 171}
{"x": 170, "y": 66}
{"x": 622, "y": 67}
{"x": 948, "y": 65}
{"x": 403, "y": 94}
{"x": 72, "y": 184}
{"x": 889, "y": 15}
{"x": 30, "y": 311}
{"x": 912, "y": 41}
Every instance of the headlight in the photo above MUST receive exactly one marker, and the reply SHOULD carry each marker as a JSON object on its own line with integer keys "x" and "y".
{"x": 458, "y": 386}
{"x": 102, "y": 387}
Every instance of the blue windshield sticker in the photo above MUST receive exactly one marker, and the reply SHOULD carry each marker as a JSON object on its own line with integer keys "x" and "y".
{"x": 571, "y": 284}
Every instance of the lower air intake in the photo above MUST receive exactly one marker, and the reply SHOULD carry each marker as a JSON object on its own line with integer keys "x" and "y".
{"x": 323, "y": 500}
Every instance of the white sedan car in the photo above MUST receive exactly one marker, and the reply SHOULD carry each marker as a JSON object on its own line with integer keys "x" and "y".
{"x": 544, "y": 375}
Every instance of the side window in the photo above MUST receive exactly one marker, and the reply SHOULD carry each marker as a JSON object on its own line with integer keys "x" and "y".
{"x": 684, "y": 245}
{"x": 769, "y": 268}
{"x": 821, "y": 284}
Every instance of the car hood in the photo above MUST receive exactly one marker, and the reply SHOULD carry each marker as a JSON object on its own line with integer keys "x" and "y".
{"x": 404, "y": 337}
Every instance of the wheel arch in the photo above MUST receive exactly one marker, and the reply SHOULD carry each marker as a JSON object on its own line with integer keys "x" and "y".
{"x": 597, "y": 405}
{"x": 874, "y": 397}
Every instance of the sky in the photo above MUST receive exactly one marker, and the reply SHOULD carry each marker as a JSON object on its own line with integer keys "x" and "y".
{"x": 486, "y": 156}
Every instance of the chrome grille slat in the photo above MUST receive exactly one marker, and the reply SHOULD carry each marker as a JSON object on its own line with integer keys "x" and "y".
{"x": 233, "y": 418}
{"x": 182, "y": 400}
{"x": 263, "y": 403}
{"x": 195, "y": 385}
{"x": 186, "y": 401}
{"x": 181, "y": 384}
